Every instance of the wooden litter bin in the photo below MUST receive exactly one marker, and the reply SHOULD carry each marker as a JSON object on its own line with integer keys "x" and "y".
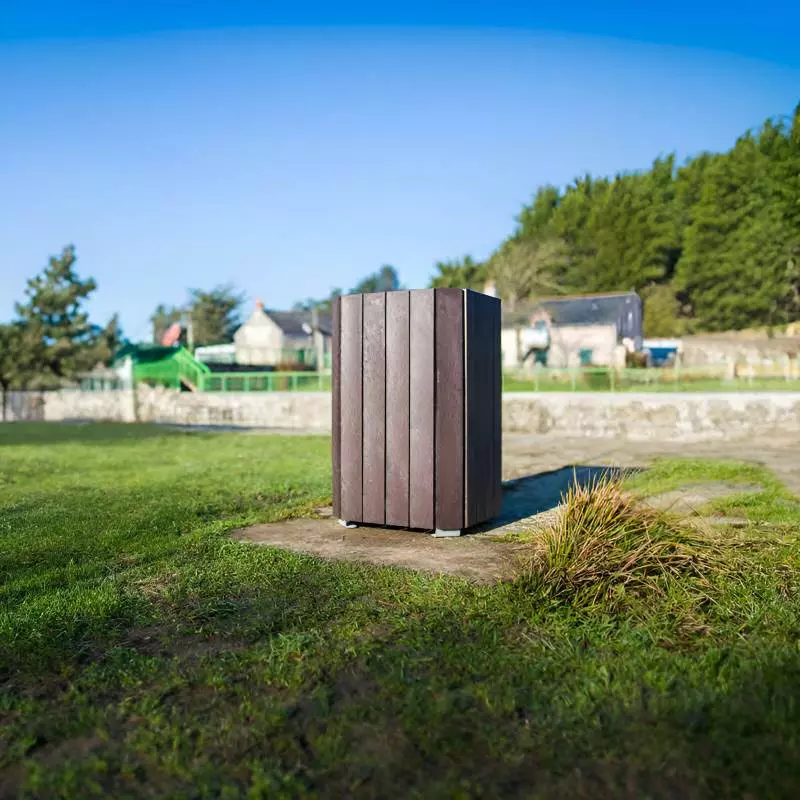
{"x": 416, "y": 409}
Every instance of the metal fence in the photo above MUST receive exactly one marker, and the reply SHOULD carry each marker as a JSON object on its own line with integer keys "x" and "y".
{"x": 265, "y": 382}
{"x": 763, "y": 377}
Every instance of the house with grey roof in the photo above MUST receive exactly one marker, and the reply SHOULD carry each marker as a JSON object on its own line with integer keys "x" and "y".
{"x": 269, "y": 338}
{"x": 571, "y": 331}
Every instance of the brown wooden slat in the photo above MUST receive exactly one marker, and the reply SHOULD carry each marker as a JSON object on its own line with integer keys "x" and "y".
{"x": 421, "y": 409}
{"x": 495, "y": 493}
{"x": 397, "y": 407}
{"x": 351, "y": 388}
{"x": 497, "y": 427}
{"x": 471, "y": 372}
{"x": 480, "y": 411}
{"x": 449, "y": 409}
{"x": 487, "y": 306}
{"x": 374, "y": 435}
{"x": 336, "y": 451}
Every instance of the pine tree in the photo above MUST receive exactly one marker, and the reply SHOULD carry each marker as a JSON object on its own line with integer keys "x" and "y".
{"x": 60, "y": 339}
{"x": 534, "y": 219}
{"x": 733, "y": 264}
{"x": 573, "y": 224}
{"x": 784, "y": 145}
{"x": 109, "y": 339}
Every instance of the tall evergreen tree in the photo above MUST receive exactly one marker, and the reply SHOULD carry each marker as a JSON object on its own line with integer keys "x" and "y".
{"x": 574, "y": 224}
{"x": 783, "y": 144}
{"x": 109, "y": 339}
{"x": 534, "y": 219}
{"x": 733, "y": 264}
{"x": 60, "y": 339}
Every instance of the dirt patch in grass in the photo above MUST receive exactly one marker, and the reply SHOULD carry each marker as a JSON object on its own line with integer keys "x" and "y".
{"x": 486, "y": 554}
{"x": 480, "y": 557}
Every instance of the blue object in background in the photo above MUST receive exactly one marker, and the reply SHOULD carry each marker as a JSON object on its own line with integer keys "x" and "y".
{"x": 660, "y": 356}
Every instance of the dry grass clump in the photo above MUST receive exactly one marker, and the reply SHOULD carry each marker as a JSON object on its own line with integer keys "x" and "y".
{"x": 605, "y": 549}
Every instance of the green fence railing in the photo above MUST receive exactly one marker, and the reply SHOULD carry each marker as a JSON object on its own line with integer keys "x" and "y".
{"x": 182, "y": 370}
{"x": 265, "y": 382}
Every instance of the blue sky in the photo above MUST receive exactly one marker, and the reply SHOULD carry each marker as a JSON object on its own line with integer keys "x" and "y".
{"x": 289, "y": 151}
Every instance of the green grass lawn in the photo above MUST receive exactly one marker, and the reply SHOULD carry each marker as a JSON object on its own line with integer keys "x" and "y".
{"x": 144, "y": 654}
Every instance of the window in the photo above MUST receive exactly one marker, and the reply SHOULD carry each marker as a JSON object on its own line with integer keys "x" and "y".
{"x": 585, "y": 357}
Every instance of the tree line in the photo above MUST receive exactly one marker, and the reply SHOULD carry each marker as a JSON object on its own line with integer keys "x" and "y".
{"x": 712, "y": 244}
{"x": 216, "y": 314}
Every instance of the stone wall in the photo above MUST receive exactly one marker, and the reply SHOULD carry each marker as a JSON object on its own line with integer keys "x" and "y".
{"x": 672, "y": 417}
{"x": 28, "y": 406}
{"x": 71, "y": 404}
{"x": 299, "y": 410}
{"x": 108, "y": 405}
{"x": 641, "y": 416}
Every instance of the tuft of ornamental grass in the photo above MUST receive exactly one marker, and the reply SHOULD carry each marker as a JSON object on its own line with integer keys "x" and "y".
{"x": 605, "y": 550}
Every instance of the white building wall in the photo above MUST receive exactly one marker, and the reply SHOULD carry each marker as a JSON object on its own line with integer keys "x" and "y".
{"x": 508, "y": 346}
{"x": 567, "y": 341}
{"x": 258, "y": 341}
